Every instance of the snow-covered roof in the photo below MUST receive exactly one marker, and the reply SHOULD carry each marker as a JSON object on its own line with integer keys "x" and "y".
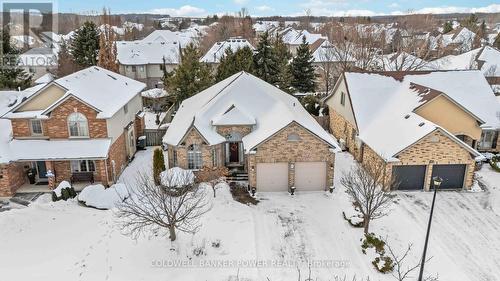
{"x": 400, "y": 61}
{"x": 141, "y": 52}
{"x": 100, "y": 88}
{"x": 44, "y": 79}
{"x": 294, "y": 37}
{"x": 384, "y": 106}
{"x": 461, "y": 36}
{"x": 233, "y": 116}
{"x": 218, "y": 49}
{"x": 33, "y": 150}
{"x": 154, "y": 93}
{"x": 184, "y": 37}
{"x": 486, "y": 59}
{"x": 45, "y": 57}
{"x": 271, "y": 108}
{"x": 326, "y": 52}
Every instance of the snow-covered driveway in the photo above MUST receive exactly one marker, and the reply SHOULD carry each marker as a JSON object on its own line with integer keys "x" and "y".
{"x": 64, "y": 241}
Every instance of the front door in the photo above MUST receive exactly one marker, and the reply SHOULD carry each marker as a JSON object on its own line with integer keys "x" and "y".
{"x": 41, "y": 169}
{"x": 234, "y": 152}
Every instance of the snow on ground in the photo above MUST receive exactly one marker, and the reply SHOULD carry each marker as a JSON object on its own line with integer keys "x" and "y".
{"x": 66, "y": 241}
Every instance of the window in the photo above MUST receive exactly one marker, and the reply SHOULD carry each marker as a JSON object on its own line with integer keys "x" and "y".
{"x": 342, "y": 98}
{"x": 125, "y": 108}
{"x": 175, "y": 158}
{"x": 83, "y": 166}
{"x": 293, "y": 137}
{"x": 78, "y": 126}
{"x": 214, "y": 157}
{"x": 194, "y": 157}
{"x": 133, "y": 68}
{"x": 141, "y": 68}
{"x": 36, "y": 127}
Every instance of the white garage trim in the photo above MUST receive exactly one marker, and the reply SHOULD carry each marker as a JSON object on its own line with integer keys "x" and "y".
{"x": 272, "y": 176}
{"x": 310, "y": 176}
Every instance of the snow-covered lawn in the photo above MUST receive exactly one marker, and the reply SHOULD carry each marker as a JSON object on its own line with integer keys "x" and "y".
{"x": 65, "y": 241}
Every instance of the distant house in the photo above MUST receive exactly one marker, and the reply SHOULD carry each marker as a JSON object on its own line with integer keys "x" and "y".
{"x": 38, "y": 61}
{"x": 255, "y": 130}
{"x": 486, "y": 59}
{"x": 147, "y": 61}
{"x": 183, "y": 38}
{"x": 417, "y": 125}
{"x": 81, "y": 127}
{"x": 293, "y": 38}
{"x": 214, "y": 54}
{"x": 457, "y": 41}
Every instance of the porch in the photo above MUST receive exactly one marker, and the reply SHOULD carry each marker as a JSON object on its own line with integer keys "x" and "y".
{"x": 34, "y": 188}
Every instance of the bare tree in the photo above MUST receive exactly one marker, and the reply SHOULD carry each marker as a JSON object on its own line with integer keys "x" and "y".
{"x": 368, "y": 188}
{"x": 212, "y": 176}
{"x": 402, "y": 271}
{"x": 176, "y": 204}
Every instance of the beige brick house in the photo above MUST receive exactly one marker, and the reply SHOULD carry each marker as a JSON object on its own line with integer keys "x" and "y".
{"x": 253, "y": 128}
{"x": 417, "y": 124}
{"x": 79, "y": 127}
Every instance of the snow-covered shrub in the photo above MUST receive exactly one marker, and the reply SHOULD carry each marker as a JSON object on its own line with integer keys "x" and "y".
{"x": 216, "y": 244}
{"x": 354, "y": 221}
{"x": 99, "y": 197}
{"x": 200, "y": 251}
{"x": 383, "y": 264}
{"x": 63, "y": 191}
{"x": 495, "y": 163}
{"x": 371, "y": 241}
{"x": 177, "y": 177}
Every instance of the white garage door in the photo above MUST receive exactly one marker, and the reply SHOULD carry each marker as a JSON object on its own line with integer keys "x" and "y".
{"x": 310, "y": 175}
{"x": 272, "y": 176}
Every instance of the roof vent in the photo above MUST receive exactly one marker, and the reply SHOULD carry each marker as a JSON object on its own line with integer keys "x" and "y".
{"x": 421, "y": 124}
{"x": 112, "y": 77}
{"x": 407, "y": 116}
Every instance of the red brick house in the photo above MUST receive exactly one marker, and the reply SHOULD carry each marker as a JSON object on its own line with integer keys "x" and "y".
{"x": 82, "y": 126}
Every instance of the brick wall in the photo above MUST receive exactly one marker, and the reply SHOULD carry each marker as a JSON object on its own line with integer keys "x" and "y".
{"x": 243, "y": 130}
{"x": 435, "y": 148}
{"x": 278, "y": 149}
{"x": 139, "y": 126}
{"x": 118, "y": 154}
{"x": 193, "y": 137}
{"x": 57, "y": 125}
{"x": 342, "y": 129}
{"x": 12, "y": 177}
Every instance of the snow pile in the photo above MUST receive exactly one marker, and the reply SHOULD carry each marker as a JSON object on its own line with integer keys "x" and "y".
{"x": 99, "y": 197}
{"x": 154, "y": 93}
{"x": 176, "y": 176}
{"x": 60, "y": 187}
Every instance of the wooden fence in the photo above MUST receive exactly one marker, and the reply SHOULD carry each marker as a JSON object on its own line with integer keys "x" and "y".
{"x": 154, "y": 137}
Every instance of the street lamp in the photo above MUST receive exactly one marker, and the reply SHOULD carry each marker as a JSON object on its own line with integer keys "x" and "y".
{"x": 436, "y": 183}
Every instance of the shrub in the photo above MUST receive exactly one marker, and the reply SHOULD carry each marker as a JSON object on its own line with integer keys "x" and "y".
{"x": 495, "y": 163}
{"x": 371, "y": 241}
{"x": 54, "y": 196}
{"x": 387, "y": 264}
{"x": 216, "y": 243}
{"x": 65, "y": 194}
{"x": 358, "y": 224}
{"x": 158, "y": 165}
{"x": 72, "y": 192}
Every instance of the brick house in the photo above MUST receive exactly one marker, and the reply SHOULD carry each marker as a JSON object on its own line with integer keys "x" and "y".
{"x": 218, "y": 50}
{"x": 79, "y": 127}
{"x": 416, "y": 124}
{"x": 255, "y": 129}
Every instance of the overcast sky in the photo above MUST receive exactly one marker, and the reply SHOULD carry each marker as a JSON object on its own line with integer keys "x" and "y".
{"x": 279, "y": 7}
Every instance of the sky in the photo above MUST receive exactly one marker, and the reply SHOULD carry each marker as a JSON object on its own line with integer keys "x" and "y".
{"x": 279, "y": 7}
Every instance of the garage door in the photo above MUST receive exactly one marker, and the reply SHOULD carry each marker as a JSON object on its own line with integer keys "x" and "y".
{"x": 452, "y": 175}
{"x": 310, "y": 175}
{"x": 409, "y": 177}
{"x": 272, "y": 176}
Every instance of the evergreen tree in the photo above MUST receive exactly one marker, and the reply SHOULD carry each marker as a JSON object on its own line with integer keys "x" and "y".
{"x": 85, "y": 45}
{"x": 496, "y": 44}
{"x": 11, "y": 75}
{"x": 471, "y": 22}
{"x": 231, "y": 63}
{"x": 265, "y": 60}
{"x": 304, "y": 77}
{"x": 447, "y": 27}
{"x": 283, "y": 56}
{"x": 191, "y": 76}
{"x": 65, "y": 63}
{"x": 158, "y": 165}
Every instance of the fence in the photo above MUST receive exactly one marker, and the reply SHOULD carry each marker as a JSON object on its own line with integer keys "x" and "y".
{"x": 154, "y": 137}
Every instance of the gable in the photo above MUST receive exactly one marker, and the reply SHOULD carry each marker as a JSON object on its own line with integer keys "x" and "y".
{"x": 447, "y": 114}
{"x": 43, "y": 99}
{"x": 334, "y": 101}
{"x": 437, "y": 147}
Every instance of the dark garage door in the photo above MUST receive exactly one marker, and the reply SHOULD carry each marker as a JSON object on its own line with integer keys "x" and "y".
{"x": 452, "y": 175}
{"x": 409, "y": 177}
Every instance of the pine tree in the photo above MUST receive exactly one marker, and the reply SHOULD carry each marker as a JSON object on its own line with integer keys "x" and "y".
{"x": 304, "y": 77}
{"x": 283, "y": 56}
{"x": 231, "y": 63}
{"x": 65, "y": 63}
{"x": 85, "y": 45}
{"x": 447, "y": 27}
{"x": 107, "y": 45}
{"x": 265, "y": 60}
{"x": 158, "y": 165}
{"x": 11, "y": 75}
{"x": 496, "y": 44}
{"x": 191, "y": 76}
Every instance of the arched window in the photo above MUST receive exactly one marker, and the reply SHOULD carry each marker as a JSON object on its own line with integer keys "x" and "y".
{"x": 78, "y": 126}
{"x": 293, "y": 137}
{"x": 194, "y": 157}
